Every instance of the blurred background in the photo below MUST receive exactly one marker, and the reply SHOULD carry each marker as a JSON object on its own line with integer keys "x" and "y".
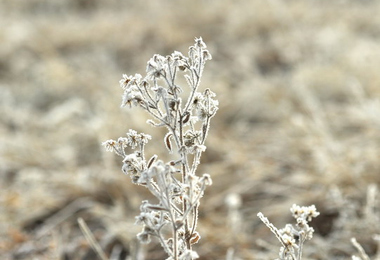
{"x": 298, "y": 87}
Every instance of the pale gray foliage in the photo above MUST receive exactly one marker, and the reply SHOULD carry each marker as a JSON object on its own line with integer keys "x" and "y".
{"x": 175, "y": 184}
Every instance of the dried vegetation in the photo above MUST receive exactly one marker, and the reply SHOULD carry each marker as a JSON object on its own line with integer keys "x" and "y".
{"x": 298, "y": 123}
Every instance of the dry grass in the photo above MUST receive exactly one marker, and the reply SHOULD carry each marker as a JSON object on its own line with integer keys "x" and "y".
{"x": 298, "y": 86}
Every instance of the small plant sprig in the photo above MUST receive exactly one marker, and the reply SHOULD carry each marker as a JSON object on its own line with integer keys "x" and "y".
{"x": 175, "y": 184}
{"x": 292, "y": 237}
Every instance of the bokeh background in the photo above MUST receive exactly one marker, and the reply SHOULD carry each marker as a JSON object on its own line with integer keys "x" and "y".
{"x": 298, "y": 84}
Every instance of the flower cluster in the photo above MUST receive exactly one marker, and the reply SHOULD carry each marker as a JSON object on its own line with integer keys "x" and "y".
{"x": 133, "y": 164}
{"x": 292, "y": 237}
{"x": 186, "y": 116}
{"x": 132, "y": 140}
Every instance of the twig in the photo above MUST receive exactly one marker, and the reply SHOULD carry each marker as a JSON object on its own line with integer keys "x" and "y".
{"x": 91, "y": 239}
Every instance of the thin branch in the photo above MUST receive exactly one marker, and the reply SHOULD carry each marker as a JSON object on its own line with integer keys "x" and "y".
{"x": 91, "y": 239}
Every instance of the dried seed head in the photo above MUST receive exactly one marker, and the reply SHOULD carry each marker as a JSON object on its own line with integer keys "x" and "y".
{"x": 182, "y": 67}
{"x": 168, "y": 142}
{"x": 155, "y": 68}
{"x": 169, "y": 58}
{"x": 198, "y": 99}
{"x": 172, "y": 163}
{"x": 124, "y": 82}
{"x": 151, "y": 161}
{"x": 132, "y": 96}
{"x": 173, "y": 104}
{"x": 195, "y": 237}
{"x": 206, "y": 55}
{"x": 289, "y": 241}
{"x": 109, "y": 145}
{"x": 186, "y": 117}
{"x": 206, "y": 179}
{"x": 200, "y": 43}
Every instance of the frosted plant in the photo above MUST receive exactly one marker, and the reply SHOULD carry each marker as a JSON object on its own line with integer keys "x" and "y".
{"x": 175, "y": 184}
{"x": 292, "y": 237}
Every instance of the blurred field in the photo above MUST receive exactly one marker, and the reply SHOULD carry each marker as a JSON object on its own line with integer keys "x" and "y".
{"x": 298, "y": 84}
